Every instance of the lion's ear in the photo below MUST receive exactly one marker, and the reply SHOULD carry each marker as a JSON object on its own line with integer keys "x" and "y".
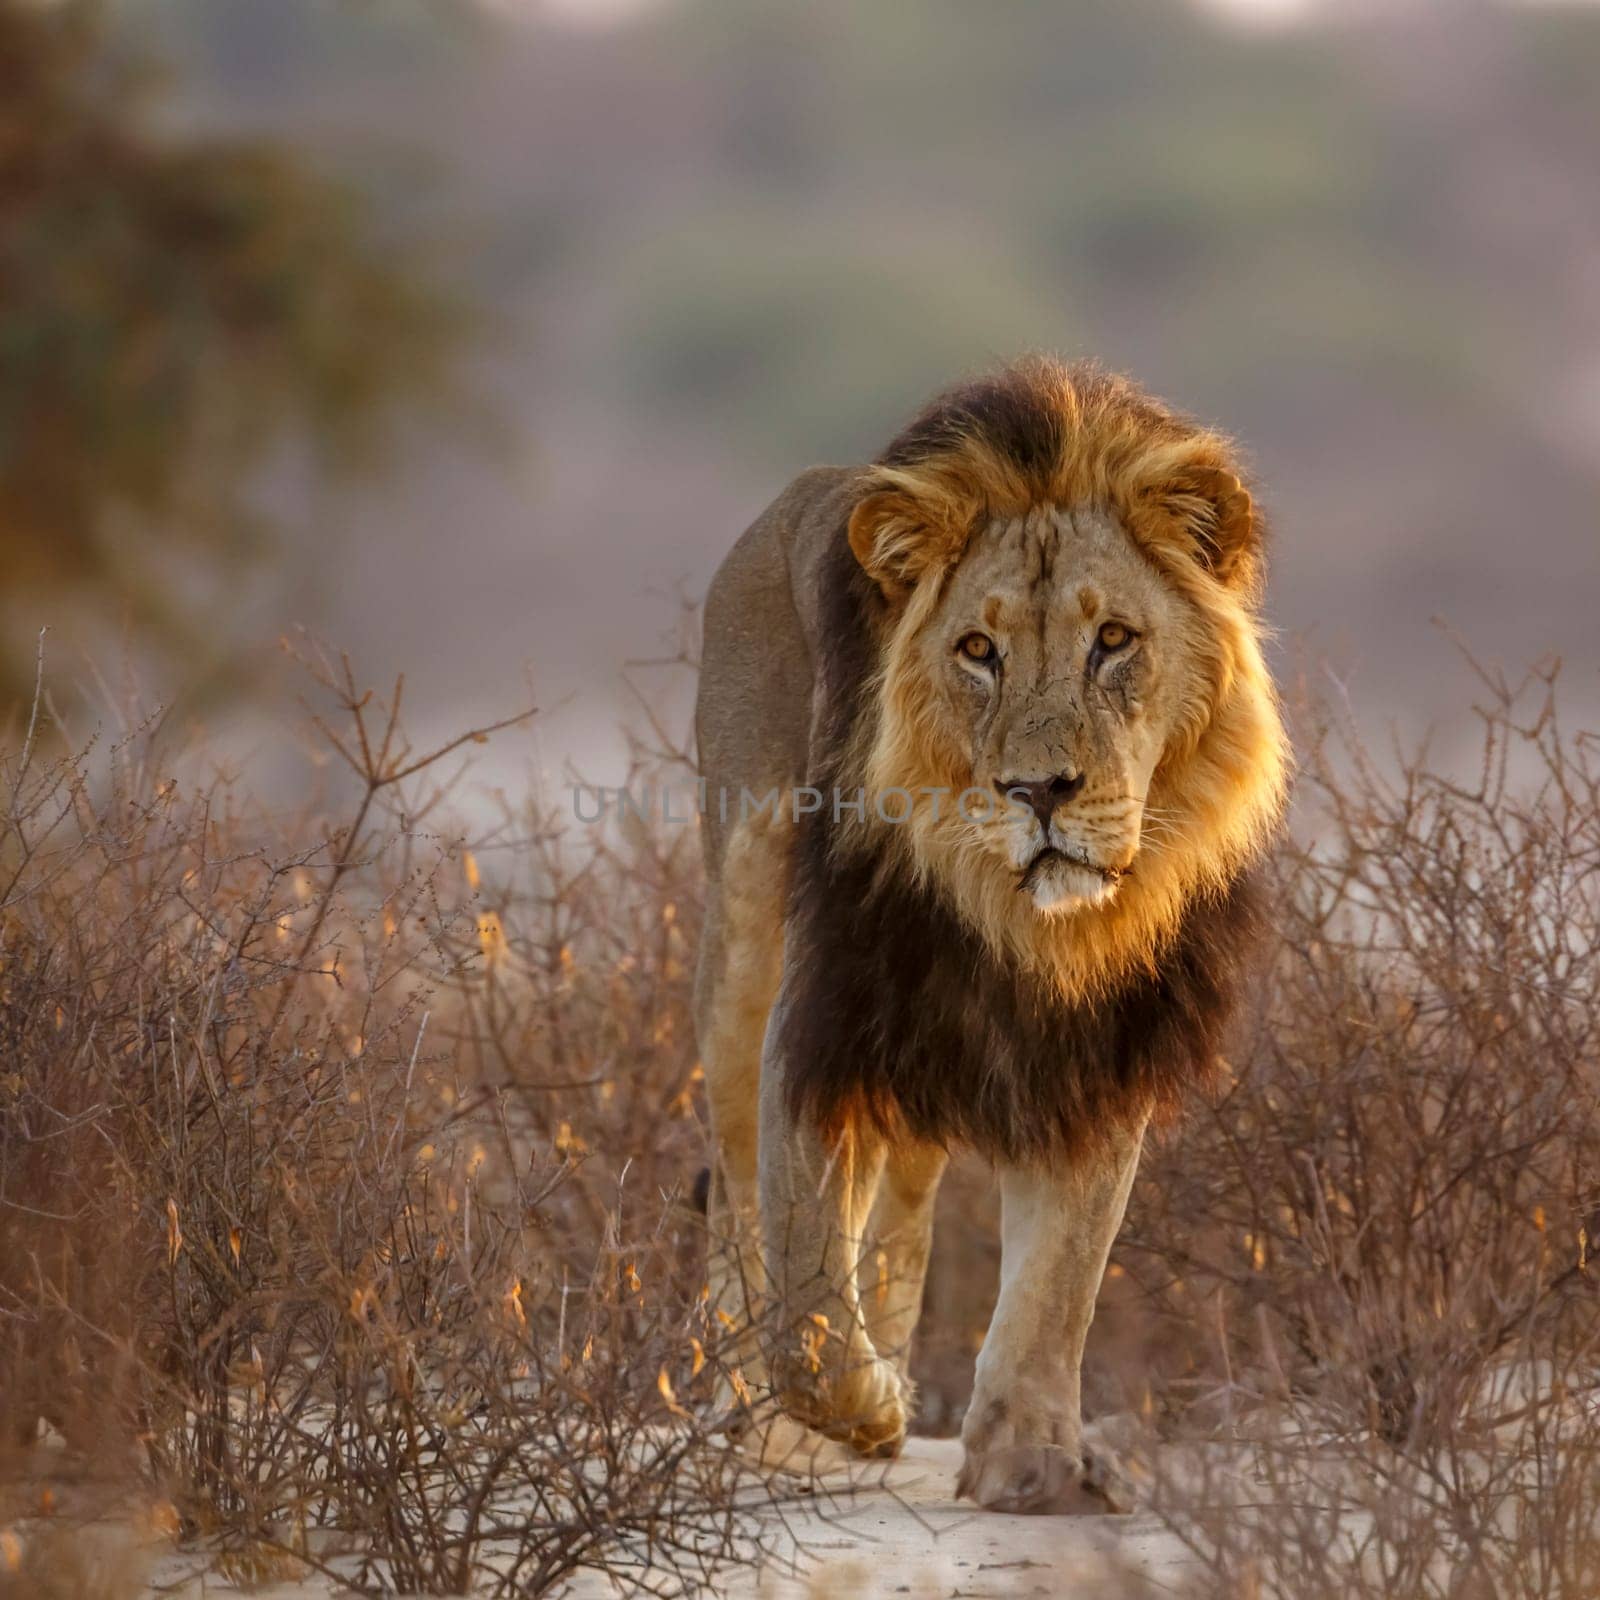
{"x": 1218, "y": 519}
{"x": 897, "y": 540}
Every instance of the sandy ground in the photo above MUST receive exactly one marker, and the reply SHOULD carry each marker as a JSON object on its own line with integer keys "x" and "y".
{"x": 901, "y": 1531}
{"x": 896, "y": 1530}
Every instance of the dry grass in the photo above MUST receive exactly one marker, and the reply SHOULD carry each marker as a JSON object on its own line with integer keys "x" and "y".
{"x": 1369, "y": 1263}
{"x": 339, "y": 1192}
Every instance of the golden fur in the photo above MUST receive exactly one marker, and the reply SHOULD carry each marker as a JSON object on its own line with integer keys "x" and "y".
{"x": 1177, "y": 491}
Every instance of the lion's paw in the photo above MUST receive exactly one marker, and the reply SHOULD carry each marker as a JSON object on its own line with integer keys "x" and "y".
{"x": 866, "y": 1406}
{"x": 1043, "y": 1480}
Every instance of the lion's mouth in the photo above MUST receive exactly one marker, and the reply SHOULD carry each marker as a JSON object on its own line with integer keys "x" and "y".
{"x": 1033, "y": 874}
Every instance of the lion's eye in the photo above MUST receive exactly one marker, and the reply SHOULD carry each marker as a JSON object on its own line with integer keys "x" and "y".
{"x": 977, "y": 647}
{"x": 1113, "y": 635}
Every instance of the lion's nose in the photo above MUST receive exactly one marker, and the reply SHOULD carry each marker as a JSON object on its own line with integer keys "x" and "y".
{"x": 1042, "y": 795}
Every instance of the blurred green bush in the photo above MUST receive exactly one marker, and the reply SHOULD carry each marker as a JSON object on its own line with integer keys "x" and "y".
{"x": 178, "y": 311}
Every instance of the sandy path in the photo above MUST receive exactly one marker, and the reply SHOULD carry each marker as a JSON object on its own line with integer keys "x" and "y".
{"x": 902, "y": 1532}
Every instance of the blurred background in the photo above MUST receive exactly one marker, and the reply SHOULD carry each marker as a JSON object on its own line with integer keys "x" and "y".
{"x": 470, "y": 336}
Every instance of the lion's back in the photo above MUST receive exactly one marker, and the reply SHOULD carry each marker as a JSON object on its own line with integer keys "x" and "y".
{"x": 753, "y": 710}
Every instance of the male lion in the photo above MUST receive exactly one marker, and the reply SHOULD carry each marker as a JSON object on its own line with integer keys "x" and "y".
{"x": 1007, "y": 683}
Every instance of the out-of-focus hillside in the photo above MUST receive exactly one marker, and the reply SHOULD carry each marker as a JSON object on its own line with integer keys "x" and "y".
{"x": 739, "y": 238}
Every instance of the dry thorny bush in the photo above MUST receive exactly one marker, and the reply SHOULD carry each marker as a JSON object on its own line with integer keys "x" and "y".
{"x": 339, "y": 1192}
{"x": 1367, "y": 1265}
{"x": 340, "y": 1164}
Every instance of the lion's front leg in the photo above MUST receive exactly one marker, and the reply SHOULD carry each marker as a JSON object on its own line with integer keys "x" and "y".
{"x": 816, "y": 1196}
{"x": 1023, "y": 1430}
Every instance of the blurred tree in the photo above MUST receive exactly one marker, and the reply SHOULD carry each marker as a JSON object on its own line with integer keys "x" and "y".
{"x": 176, "y": 313}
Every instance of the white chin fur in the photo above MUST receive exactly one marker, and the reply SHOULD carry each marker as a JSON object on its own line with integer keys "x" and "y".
{"x": 1064, "y": 886}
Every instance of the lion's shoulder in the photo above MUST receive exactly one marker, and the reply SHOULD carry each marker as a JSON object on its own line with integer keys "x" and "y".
{"x": 762, "y": 636}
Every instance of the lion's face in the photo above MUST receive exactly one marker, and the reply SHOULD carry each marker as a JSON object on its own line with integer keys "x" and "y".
{"x": 1057, "y": 663}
